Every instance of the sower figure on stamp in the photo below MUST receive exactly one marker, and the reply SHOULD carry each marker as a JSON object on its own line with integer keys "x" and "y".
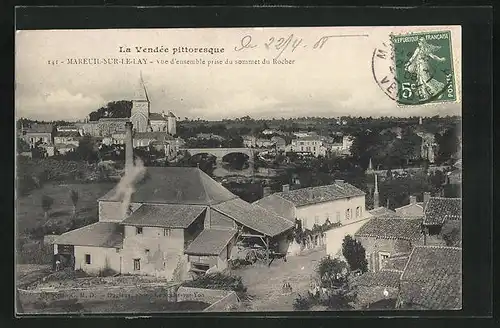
{"x": 420, "y": 65}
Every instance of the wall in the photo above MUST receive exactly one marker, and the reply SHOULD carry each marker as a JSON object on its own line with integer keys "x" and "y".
{"x": 375, "y": 245}
{"x": 100, "y": 259}
{"x": 367, "y": 295}
{"x": 318, "y": 213}
{"x": 100, "y": 293}
{"x": 164, "y": 251}
{"x": 335, "y": 236}
{"x": 110, "y": 211}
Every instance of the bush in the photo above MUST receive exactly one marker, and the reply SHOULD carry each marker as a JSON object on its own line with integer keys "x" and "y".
{"x": 303, "y": 303}
{"x": 218, "y": 280}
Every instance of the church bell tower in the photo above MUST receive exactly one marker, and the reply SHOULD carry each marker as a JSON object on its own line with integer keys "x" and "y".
{"x": 141, "y": 108}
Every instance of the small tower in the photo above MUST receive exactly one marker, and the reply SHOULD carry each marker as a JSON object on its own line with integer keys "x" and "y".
{"x": 171, "y": 123}
{"x": 375, "y": 194}
{"x": 369, "y": 170}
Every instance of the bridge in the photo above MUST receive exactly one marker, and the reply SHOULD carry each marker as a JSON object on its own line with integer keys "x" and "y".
{"x": 219, "y": 153}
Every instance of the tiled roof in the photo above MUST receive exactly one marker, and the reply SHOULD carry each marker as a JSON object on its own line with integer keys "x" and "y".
{"x": 391, "y": 228}
{"x": 396, "y": 262}
{"x": 420, "y": 205}
{"x": 176, "y": 185}
{"x": 40, "y": 128}
{"x": 433, "y": 278}
{"x": 157, "y": 117}
{"x": 382, "y": 211}
{"x": 439, "y": 209}
{"x": 210, "y": 242}
{"x": 380, "y": 278}
{"x": 74, "y": 134}
{"x": 165, "y": 215}
{"x": 314, "y": 195}
{"x": 254, "y": 217}
{"x": 99, "y": 234}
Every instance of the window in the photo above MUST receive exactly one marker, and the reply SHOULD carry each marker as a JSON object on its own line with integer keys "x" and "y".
{"x": 146, "y": 251}
{"x": 166, "y": 232}
{"x": 348, "y": 214}
{"x": 87, "y": 259}
{"x": 382, "y": 257}
{"x": 137, "y": 264}
{"x": 138, "y": 230}
{"x": 338, "y": 216}
{"x": 316, "y": 220}
{"x": 358, "y": 212}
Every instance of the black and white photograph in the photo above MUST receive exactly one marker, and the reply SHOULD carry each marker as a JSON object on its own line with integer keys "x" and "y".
{"x": 238, "y": 170}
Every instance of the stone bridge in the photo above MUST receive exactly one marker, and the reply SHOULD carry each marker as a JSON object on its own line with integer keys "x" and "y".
{"x": 219, "y": 153}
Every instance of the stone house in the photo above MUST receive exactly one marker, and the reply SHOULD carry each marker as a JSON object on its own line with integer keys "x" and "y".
{"x": 339, "y": 202}
{"x": 339, "y": 207}
{"x": 385, "y": 236}
{"x": 441, "y": 212}
{"x": 39, "y": 133}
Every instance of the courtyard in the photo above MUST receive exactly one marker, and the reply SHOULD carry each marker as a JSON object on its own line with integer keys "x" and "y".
{"x": 265, "y": 283}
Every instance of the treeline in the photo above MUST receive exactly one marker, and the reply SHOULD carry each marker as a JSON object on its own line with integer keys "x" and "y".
{"x": 115, "y": 109}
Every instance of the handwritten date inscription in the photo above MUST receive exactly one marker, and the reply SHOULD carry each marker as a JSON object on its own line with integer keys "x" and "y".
{"x": 282, "y": 44}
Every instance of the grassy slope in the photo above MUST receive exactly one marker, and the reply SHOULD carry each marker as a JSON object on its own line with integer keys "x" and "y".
{"x": 29, "y": 213}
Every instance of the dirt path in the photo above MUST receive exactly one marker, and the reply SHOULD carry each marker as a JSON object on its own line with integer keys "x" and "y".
{"x": 265, "y": 283}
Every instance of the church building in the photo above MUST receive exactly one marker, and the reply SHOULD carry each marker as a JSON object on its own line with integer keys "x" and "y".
{"x": 144, "y": 121}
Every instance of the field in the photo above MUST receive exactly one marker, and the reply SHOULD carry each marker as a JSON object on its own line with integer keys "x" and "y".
{"x": 31, "y": 224}
{"x": 29, "y": 213}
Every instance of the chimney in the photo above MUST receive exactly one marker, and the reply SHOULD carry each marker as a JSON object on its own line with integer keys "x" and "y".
{"x": 286, "y": 188}
{"x": 427, "y": 196}
{"x": 375, "y": 194}
{"x": 266, "y": 191}
{"x": 129, "y": 147}
{"x": 413, "y": 199}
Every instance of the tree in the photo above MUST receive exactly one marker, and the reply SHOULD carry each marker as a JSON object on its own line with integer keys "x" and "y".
{"x": 47, "y": 203}
{"x": 333, "y": 276}
{"x": 74, "y": 199}
{"x": 355, "y": 254}
{"x": 22, "y": 146}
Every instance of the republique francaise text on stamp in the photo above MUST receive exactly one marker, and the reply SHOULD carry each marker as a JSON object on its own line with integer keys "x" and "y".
{"x": 416, "y": 68}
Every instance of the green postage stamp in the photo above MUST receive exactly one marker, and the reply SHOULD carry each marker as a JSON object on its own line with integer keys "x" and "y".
{"x": 423, "y": 67}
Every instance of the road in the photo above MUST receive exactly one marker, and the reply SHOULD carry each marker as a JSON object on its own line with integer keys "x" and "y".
{"x": 265, "y": 283}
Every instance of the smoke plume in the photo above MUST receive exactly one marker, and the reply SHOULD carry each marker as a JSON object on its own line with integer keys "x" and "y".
{"x": 125, "y": 188}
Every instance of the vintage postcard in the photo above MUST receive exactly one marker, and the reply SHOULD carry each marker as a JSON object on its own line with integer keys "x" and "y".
{"x": 238, "y": 170}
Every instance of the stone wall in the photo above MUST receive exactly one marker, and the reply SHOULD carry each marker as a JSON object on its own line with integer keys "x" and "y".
{"x": 99, "y": 293}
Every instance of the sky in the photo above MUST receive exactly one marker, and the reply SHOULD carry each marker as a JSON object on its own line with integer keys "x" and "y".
{"x": 330, "y": 81}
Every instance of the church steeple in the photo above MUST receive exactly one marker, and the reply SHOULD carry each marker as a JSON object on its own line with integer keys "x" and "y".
{"x": 141, "y": 108}
{"x": 141, "y": 93}
{"x": 375, "y": 194}
{"x": 369, "y": 170}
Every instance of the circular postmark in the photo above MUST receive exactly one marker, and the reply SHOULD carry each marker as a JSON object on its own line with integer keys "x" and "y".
{"x": 412, "y": 71}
